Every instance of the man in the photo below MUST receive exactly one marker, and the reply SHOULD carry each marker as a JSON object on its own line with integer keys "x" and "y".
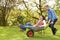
{"x": 52, "y": 18}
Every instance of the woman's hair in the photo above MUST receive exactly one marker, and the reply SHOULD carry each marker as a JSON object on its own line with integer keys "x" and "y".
{"x": 43, "y": 17}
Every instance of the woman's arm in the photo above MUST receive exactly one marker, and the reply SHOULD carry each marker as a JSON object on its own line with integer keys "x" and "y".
{"x": 37, "y": 23}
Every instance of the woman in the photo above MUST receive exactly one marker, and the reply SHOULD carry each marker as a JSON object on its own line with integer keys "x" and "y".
{"x": 40, "y": 24}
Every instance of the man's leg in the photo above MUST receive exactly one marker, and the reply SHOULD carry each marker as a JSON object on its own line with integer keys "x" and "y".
{"x": 55, "y": 28}
{"x": 52, "y": 27}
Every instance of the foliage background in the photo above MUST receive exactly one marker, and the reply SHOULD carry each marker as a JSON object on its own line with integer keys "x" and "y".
{"x": 11, "y": 10}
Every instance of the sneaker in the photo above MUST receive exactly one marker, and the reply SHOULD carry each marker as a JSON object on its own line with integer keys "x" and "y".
{"x": 55, "y": 31}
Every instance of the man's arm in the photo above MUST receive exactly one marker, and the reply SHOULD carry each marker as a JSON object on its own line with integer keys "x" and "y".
{"x": 52, "y": 14}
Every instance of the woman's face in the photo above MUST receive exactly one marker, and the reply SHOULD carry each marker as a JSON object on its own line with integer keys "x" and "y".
{"x": 41, "y": 18}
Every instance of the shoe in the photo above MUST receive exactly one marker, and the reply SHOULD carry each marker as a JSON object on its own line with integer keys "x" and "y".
{"x": 55, "y": 31}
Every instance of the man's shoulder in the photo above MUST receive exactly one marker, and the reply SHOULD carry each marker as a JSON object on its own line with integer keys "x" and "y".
{"x": 50, "y": 9}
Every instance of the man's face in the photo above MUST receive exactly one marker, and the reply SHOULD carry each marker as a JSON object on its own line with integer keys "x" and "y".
{"x": 46, "y": 8}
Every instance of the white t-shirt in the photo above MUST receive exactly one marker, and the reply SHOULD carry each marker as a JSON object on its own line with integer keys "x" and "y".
{"x": 44, "y": 24}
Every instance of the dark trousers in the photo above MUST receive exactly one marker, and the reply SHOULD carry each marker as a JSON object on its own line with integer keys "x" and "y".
{"x": 52, "y": 26}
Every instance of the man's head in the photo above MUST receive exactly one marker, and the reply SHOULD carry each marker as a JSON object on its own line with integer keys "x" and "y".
{"x": 46, "y": 7}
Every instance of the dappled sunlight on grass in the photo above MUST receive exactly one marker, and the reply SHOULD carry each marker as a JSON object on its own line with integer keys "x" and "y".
{"x": 13, "y": 33}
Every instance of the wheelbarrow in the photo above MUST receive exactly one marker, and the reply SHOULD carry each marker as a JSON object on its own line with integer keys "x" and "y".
{"x": 31, "y": 30}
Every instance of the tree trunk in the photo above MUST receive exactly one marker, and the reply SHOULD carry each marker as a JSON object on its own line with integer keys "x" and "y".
{"x": 40, "y": 7}
{"x": 4, "y": 21}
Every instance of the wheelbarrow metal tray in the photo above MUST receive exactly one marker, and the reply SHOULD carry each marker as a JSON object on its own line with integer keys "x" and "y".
{"x": 35, "y": 28}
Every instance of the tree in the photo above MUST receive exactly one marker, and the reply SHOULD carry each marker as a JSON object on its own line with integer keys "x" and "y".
{"x": 6, "y": 6}
{"x": 57, "y": 5}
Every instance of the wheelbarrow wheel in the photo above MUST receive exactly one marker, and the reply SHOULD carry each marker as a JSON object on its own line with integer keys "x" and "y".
{"x": 30, "y": 33}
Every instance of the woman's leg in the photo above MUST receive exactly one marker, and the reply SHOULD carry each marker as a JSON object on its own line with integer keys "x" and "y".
{"x": 22, "y": 27}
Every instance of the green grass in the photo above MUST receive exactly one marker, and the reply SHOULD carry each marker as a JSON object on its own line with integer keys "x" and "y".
{"x": 13, "y": 33}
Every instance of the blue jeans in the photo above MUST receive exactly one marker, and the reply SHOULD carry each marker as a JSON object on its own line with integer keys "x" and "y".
{"x": 52, "y": 26}
{"x": 23, "y": 27}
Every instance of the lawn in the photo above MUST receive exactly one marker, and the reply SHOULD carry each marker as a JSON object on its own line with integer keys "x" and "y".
{"x": 13, "y": 33}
